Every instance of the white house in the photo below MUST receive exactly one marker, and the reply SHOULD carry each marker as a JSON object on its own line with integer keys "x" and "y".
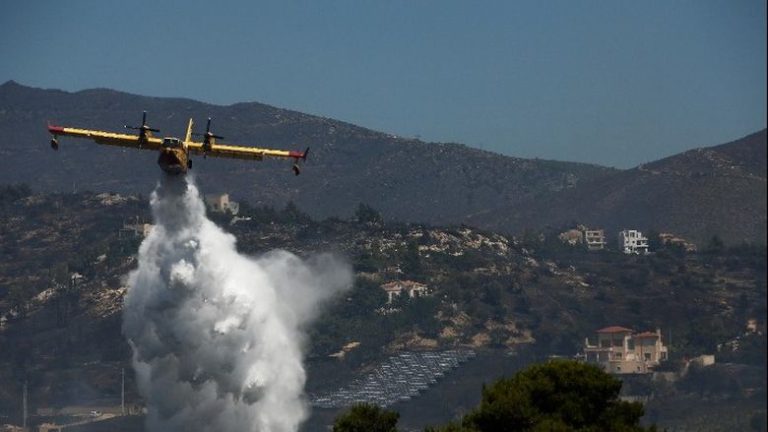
{"x": 633, "y": 242}
{"x": 395, "y": 288}
{"x": 220, "y": 203}
{"x": 594, "y": 239}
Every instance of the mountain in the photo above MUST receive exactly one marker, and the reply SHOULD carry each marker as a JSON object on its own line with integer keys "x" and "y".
{"x": 405, "y": 179}
{"x": 718, "y": 190}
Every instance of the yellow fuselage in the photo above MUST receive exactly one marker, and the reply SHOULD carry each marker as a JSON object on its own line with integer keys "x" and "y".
{"x": 173, "y": 157}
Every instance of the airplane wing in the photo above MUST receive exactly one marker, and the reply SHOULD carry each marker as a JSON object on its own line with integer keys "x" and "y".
{"x": 243, "y": 152}
{"x": 209, "y": 147}
{"x": 108, "y": 138}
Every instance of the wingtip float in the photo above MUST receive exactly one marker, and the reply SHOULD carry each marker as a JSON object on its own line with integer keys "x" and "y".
{"x": 175, "y": 153}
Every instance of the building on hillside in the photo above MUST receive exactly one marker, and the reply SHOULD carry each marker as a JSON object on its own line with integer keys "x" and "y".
{"x": 633, "y": 242}
{"x": 619, "y": 350}
{"x": 135, "y": 229}
{"x": 673, "y": 240}
{"x": 395, "y": 288}
{"x": 703, "y": 360}
{"x": 753, "y": 326}
{"x": 594, "y": 239}
{"x": 571, "y": 237}
{"x": 220, "y": 203}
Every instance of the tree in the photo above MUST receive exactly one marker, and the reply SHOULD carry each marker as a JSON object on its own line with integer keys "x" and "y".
{"x": 410, "y": 262}
{"x": 11, "y": 193}
{"x": 654, "y": 241}
{"x": 757, "y": 422}
{"x": 715, "y": 245}
{"x": 366, "y": 418}
{"x": 557, "y": 395}
{"x": 292, "y": 214}
{"x": 367, "y": 214}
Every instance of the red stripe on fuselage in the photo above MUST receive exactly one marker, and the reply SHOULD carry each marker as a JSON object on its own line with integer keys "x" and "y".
{"x": 56, "y": 130}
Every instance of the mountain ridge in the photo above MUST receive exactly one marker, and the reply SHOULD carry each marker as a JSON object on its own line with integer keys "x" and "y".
{"x": 718, "y": 190}
{"x": 405, "y": 179}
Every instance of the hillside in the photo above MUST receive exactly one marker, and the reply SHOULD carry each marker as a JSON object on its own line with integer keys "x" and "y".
{"x": 405, "y": 179}
{"x": 718, "y": 190}
{"x": 488, "y": 291}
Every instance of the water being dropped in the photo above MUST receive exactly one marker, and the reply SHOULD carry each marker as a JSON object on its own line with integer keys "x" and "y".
{"x": 216, "y": 335}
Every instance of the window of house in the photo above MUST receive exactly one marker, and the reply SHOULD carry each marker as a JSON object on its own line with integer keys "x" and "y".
{"x": 617, "y": 356}
{"x": 647, "y": 356}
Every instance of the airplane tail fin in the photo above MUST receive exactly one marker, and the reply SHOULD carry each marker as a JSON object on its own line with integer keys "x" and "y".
{"x": 188, "y": 137}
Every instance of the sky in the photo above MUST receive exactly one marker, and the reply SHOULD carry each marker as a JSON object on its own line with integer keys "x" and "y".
{"x": 616, "y": 83}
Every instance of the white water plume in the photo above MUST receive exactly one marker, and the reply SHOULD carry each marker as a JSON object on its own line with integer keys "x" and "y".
{"x": 217, "y": 336}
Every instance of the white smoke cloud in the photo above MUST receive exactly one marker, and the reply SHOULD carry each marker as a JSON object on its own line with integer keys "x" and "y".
{"x": 217, "y": 336}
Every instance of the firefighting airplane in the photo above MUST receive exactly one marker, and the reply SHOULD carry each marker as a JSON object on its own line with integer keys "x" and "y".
{"x": 174, "y": 153}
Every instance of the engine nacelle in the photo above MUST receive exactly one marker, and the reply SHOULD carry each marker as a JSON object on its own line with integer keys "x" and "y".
{"x": 54, "y": 143}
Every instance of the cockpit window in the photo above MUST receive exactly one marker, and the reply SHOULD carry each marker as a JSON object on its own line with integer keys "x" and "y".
{"x": 170, "y": 142}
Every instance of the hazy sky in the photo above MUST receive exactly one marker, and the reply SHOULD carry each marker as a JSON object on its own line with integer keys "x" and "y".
{"x": 612, "y": 82}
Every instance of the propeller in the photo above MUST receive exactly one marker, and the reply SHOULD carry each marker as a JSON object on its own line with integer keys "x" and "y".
{"x": 208, "y": 137}
{"x": 144, "y": 128}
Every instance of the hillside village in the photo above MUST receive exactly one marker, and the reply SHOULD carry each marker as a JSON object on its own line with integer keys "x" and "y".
{"x": 630, "y": 241}
{"x": 418, "y": 288}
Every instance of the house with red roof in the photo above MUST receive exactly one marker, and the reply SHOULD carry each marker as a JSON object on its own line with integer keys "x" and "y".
{"x": 620, "y": 350}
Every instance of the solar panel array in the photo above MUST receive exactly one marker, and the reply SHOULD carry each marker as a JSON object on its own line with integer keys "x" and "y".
{"x": 399, "y": 378}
